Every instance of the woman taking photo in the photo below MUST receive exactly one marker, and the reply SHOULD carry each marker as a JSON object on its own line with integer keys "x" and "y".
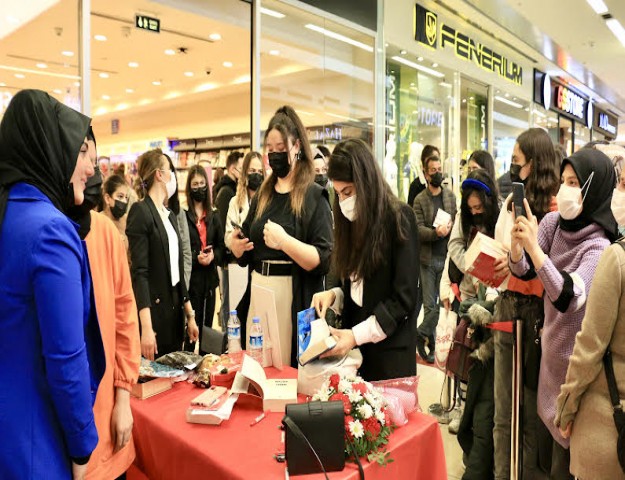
{"x": 207, "y": 250}
{"x": 115, "y": 198}
{"x": 153, "y": 237}
{"x": 376, "y": 257}
{"x": 288, "y": 230}
{"x": 51, "y": 349}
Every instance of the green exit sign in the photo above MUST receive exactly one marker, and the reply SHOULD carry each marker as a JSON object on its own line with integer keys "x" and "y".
{"x": 148, "y": 23}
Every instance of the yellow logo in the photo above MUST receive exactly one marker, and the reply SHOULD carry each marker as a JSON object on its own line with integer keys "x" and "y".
{"x": 430, "y": 28}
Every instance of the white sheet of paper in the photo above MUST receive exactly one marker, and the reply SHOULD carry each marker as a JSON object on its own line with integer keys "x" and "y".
{"x": 237, "y": 283}
{"x": 265, "y": 308}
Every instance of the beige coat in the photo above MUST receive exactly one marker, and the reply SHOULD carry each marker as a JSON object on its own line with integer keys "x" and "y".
{"x": 584, "y": 398}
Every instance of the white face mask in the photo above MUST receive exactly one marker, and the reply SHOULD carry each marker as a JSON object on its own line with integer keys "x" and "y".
{"x": 618, "y": 206}
{"x": 348, "y": 207}
{"x": 171, "y": 186}
{"x": 570, "y": 200}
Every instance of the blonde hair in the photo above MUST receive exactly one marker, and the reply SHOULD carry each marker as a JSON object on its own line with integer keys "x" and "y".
{"x": 289, "y": 125}
{"x": 242, "y": 184}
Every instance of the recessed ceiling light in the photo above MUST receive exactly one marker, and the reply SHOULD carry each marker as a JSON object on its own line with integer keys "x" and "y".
{"x": 100, "y": 38}
{"x": 58, "y": 91}
{"x": 420, "y": 59}
{"x": 67, "y": 53}
{"x": 103, "y": 75}
{"x": 598, "y": 6}
{"x": 170, "y": 51}
{"x": 434, "y": 65}
{"x": 402, "y": 52}
{"x": 77, "y": 84}
{"x": 188, "y": 74}
{"x": 12, "y": 19}
{"x": 272, "y": 13}
{"x": 227, "y": 64}
{"x": 274, "y": 52}
{"x": 2, "y": 84}
{"x": 42, "y": 65}
{"x": 156, "y": 83}
{"x": 506, "y": 95}
{"x": 130, "y": 90}
{"x": 105, "y": 97}
{"x": 215, "y": 37}
{"x": 133, "y": 64}
{"x": 20, "y": 75}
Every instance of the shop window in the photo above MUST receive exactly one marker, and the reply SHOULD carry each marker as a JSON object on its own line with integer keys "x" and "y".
{"x": 510, "y": 119}
{"x": 582, "y": 136}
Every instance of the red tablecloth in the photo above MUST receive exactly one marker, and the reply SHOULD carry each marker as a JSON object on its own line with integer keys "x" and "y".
{"x": 170, "y": 448}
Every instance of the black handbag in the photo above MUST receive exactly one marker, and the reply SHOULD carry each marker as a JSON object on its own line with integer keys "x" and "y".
{"x": 213, "y": 341}
{"x": 315, "y": 438}
{"x": 619, "y": 415}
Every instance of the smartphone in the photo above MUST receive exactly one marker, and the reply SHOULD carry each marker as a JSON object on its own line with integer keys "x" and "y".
{"x": 236, "y": 225}
{"x": 208, "y": 249}
{"x": 518, "y": 195}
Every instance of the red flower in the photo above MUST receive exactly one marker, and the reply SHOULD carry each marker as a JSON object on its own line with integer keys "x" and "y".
{"x": 341, "y": 397}
{"x": 334, "y": 381}
{"x": 372, "y": 427}
{"x": 348, "y": 433}
{"x": 360, "y": 387}
{"x": 387, "y": 418}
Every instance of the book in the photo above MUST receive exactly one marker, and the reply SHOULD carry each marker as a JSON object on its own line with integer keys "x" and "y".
{"x": 481, "y": 256}
{"x": 441, "y": 218}
{"x": 151, "y": 386}
{"x": 318, "y": 342}
{"x": 208, "y": 416}
{"x": 275, "y": 393}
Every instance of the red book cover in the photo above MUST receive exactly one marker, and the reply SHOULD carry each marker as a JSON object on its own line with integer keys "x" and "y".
{"x": 480, "y": 259}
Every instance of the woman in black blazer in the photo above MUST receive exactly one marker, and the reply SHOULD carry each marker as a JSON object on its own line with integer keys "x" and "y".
{"x": 207, "y": 249}
{"x": 157, "y": 264}
{"x": 376, "y": 257}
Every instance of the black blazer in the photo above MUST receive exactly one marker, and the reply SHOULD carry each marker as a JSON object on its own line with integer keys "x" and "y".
{"x": 205, "y": 278}
{"x": 390, "y": 295}
{"x": 151, "y": 271}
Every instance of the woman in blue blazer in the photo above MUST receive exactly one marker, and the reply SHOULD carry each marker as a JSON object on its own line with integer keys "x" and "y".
{"x": 51, "y": 355}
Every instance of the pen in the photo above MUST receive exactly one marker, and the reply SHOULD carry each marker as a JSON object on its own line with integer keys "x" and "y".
{"x": 258, "y": 419}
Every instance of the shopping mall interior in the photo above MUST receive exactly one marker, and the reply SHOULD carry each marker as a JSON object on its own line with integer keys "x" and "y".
{"x": 201, "y": 78}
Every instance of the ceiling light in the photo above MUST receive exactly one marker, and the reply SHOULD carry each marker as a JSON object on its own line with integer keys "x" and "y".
{"x": 103, "y": 75}
{"x": 170, "y": 51}
{"x": 471, "y": 98}
{"x": 420, "y": 59}
{"x": 133, "y": 64}
{"x": 435, "y": 65}
{"x": 100, "y": 38}
{"x": 338, "y": 36}
{"x": 527, "y": 109}
{"x": 156, "y": 83}
{"x": 130, "y": 90}
{"x": 416, "y": 66}
{"x": 274, "y": 52}
{"x": 507, "y": 95}
{"x": 2, "y": 84}
{"x": 77, "y": 84}
{"x": 508, "y": 102}
{"x": 617, "y": 29}
{"x": 445, "y": 84}
{"x": 215, "y": 37}
{"x": 58, "y": 91}
{"x": 402, "y": 52}
{"x": 272, "y": 13}
{"x": 227, "y": 64}
{"x": 67, "y": 53}
{"x": 20, "y": 75}
{"x": 188, "y": 74}
{"x": 598, "y": 6}
{"x": 42, "y": 65}
{"x": 12, "y": 19}
{"x": 464, "y": 100}
{"x": 105, "y": 97}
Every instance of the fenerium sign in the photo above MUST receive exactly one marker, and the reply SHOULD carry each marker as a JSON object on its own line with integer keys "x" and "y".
{"x": 427, "y": 31}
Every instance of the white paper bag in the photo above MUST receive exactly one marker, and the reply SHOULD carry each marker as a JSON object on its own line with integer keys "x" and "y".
{"x": 444, "y": 336}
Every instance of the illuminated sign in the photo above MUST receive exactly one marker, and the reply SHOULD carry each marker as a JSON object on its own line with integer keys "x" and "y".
{"x": 605, "y": 123}
{"x": 555, "y": 95}
{"x": 148, "y": 23}
{"x": 570, "y": 102}
{"x": 465, "y": 47}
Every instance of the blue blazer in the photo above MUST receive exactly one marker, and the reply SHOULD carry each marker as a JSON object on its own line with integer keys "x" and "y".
{"x": 51, "y": 353}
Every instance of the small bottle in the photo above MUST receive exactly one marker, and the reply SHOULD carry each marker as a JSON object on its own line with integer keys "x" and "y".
{"x": 255, "y": 348}
{"x": 234, "y": 333}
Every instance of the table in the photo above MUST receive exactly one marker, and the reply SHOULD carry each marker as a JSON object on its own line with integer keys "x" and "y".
{"x": 170, "y": 448}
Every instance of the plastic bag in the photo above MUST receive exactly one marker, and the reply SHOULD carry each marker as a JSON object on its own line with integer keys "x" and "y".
{"x": 401, "y": 395}
{"x": 444, "y": 336}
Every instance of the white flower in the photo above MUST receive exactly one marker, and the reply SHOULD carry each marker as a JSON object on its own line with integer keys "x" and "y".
{"x": 322, "y": 395}
{"x": 356, "y": 429}
{"x": 380, "y": 416}
{"x": 345, "y": 386}
{"x": 365, "y": 410}
{"x": 325, "y": 385}
{"x": 372, "y": 400}
{"x": 354, "y": 396}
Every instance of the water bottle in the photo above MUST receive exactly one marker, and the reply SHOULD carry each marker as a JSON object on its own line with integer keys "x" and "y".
{"x": 255, "y": 348}
{"x": 234, "y": 333}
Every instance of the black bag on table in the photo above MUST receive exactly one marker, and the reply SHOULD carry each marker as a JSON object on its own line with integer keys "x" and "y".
{"x": 213, "y": 341}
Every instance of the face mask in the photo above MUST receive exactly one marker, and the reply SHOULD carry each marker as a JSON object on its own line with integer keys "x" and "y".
{"x": 515, "y": 172}
{"x": 119, "y": 209}
{"x": 199, "y": 194}
{"x": 348, "y": 207}
{"x": 254, "y": 181}
{"x": 570, "y": 201}
{"x": 92, "y": 194}
{"x": 436, "y": 180}
{"x": 171, "y": 186}
{"x": 279, "y": 163}
{"x": 478, "y": 219}
{"x": 618, "y": 206}
{"x": 321, "y": 180}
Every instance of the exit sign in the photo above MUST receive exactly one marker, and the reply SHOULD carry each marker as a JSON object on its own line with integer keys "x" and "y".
{"x": 148, "y": 23}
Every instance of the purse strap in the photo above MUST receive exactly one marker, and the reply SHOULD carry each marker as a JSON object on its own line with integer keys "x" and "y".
{"x": 300, "y": 435}
{"x": 619, "y": 415}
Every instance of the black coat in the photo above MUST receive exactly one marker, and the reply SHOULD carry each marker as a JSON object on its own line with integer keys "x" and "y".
{"x": 390, "y": 295}
{"x": 225, "y": 190}
{"x": 205, "y": 278}
{"x": 151, "y": 272}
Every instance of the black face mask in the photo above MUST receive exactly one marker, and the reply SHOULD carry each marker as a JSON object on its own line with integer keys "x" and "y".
{"x": 254, "y": 181}
{"x": 279, "y": 163}
{"x": 92, "y": 195}
{"x": 478, "y": 219}
{"x": 199, "y": 194}
{"x": 321, "y": 179}
{"x": 436, "y": 180}
{"x": 515, "y": 172}
{"x": 119, "y": 209}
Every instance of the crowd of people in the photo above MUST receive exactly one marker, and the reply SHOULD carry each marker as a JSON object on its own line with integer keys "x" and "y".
{"x": 97, "y": 273}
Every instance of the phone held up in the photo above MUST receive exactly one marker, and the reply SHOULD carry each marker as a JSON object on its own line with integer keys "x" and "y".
{"x": 518, "y": 195}
{"x": 236, "y": 225}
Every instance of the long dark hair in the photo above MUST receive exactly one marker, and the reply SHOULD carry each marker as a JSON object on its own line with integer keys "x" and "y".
{"x": 362, "y": 246}
{"x": 544, "y": 180}
{"x": 206, "y": 204}
{"x": 241, "y": 194}
{"x": 110, "y": 186}
{"x": 489, "y": 202}
{"x": 485, "y": 161}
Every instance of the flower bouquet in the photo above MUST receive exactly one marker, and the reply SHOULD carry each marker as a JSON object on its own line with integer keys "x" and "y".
{"x": 367, "y": 420}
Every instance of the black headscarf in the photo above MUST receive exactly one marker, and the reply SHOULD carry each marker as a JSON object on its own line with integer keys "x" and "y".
{"x": 40, "y": 139}
{"x": 598, "y": 194}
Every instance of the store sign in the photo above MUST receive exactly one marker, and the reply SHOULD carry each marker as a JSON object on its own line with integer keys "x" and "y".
{"x": 427, "y": 32}
{"x": 429, "y": 117}
{"x": 325, "y": 133}
{"x": 148, "y": 23}
{"x": 555, "y": 95}
{"x": 606, "y": 123}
